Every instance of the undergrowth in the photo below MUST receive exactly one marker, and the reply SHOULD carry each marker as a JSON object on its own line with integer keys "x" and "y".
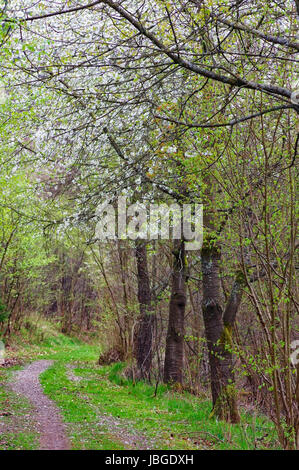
{"x": 105, "y": 410}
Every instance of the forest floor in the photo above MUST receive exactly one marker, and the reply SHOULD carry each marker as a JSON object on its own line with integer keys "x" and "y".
{"x": 46, "y": 415}
{"x": 54, "y": 395}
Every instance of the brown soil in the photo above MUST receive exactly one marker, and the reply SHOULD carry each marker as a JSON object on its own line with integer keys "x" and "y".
{"x": 48, "y": 419}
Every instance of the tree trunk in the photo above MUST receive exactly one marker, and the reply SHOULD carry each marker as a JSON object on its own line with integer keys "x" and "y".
{"x": 297, "y": 418}
{"x": 174, "y": 354}
{"x": 143, "y": 351}
{"x": 218, "y": 330}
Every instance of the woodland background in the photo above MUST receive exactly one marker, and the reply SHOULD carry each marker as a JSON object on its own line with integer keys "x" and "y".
{"x": 161, "y": 101}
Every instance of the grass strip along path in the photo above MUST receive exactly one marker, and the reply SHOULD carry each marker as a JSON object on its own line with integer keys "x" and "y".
{"x": 102, "y": 410}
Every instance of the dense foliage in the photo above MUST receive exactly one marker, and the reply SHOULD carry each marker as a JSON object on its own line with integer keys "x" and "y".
{"x": 162, "y": 102}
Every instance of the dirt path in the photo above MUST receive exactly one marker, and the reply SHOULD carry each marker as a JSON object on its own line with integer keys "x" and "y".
{"x": 47, "y": 416}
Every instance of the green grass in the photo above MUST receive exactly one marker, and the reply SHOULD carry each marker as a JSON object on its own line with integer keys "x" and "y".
{"x": 16, "y": 428}
{"x": 168, "y": 420}
{"x": 66, "y": 349}
{"x": 41, "y": 344}
{"x": 41, "y": 341}
{"x": 105, "y": 411}
{"x": 18, "y": 441}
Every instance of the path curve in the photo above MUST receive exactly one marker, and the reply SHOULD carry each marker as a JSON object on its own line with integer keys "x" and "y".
{"x": 49, "y": 423}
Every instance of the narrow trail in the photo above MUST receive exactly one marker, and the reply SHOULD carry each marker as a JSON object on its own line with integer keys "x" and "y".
{"x": 47, "y": 416}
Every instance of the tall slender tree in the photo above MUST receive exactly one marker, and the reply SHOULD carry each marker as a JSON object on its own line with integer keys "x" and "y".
{"x": 146, "y": 323}
{"x": 174, "y": 353}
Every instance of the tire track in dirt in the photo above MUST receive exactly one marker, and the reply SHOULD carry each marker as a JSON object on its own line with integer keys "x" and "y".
{"x": 47, "y": 416}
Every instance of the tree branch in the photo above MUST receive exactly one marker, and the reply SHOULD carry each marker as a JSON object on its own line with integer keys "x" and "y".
{"x": 56, "y": 13}
{"x": 236, "y": 81}
{"x": 267, "y": 37}
{"x": 225, "y": 124}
